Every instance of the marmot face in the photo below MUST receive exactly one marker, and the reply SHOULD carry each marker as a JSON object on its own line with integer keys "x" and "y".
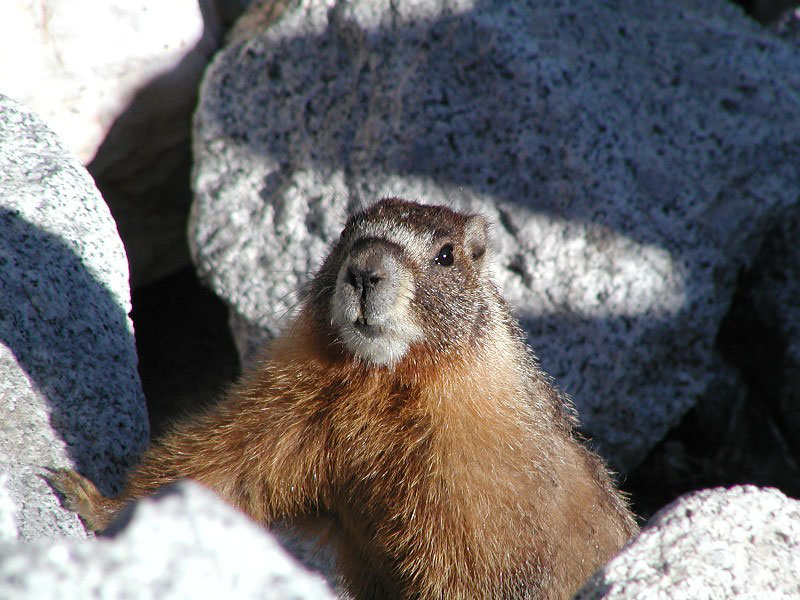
{"x": 405, "y": 275}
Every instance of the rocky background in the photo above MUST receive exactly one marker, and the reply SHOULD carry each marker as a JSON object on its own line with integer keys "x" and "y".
{"x": 640, "y": 161}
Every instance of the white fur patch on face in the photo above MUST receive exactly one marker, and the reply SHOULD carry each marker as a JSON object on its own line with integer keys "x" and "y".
{"x": 379, "y": 336}
{"x": 384, "y": 350}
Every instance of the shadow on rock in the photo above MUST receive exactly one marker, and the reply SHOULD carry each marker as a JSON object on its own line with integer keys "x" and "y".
{"x": 71, "y": 338}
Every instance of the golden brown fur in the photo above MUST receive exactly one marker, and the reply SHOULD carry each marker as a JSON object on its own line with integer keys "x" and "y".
{"x": 452, "y": 473}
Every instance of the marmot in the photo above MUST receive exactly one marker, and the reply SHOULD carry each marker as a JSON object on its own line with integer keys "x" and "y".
{"x": 403, "y": 404}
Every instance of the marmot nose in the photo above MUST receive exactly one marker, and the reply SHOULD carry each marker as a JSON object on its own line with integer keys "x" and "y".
{"x": 364, "y": 278}
{"x": 371, "y": 272}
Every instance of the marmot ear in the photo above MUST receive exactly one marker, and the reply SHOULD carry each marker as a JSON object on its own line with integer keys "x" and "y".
{"x": 476, "y": 237}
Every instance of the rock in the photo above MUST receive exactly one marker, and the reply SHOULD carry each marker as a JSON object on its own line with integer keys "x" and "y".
{"x": 126, "y": 108}
{"x": 78, "y": 63}
{"x": 746, "y": 431}
{"x": 632, "y": 156}
{"x": 142, "y": 166}
{"x": 182, "y": 544}
{"x": 8, "y": 512}
{"x": 738, "y": 543}
{"x": 68, "y": 382}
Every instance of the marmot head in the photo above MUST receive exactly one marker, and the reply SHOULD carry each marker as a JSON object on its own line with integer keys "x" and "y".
{"x": 405, "y": 275}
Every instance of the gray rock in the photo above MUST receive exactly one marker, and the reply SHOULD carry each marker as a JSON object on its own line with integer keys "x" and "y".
{"x": 8, "y": 512}
{"x": 142, "y": 166}
{"x": 68, "y": 382}
{"x": 182, "y": 544}
{"x": 738, "y": 543}
{"x": 632, "y": 155}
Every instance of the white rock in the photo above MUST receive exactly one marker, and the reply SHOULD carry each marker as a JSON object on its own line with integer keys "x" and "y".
{"x": 632, "y": 156}
{"x": 142, "y": 167}
{"x": 738, "y": 543}
{"x": 182, "y": 544}
{"x": 69, "y": 390}
{"x": 77, "y": 62}
{"x": 118, "y": 81}
{"x": 8, "y": 512}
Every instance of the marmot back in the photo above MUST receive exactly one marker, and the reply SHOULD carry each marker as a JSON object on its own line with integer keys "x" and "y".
{"x": 403, "y": 405}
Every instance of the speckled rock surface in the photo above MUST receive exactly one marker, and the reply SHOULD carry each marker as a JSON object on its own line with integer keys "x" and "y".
{"x": 738, "y": 543}
{"x": 632, "y": 156}
{"x": 8, "y": 512}
{"x": 69, "y": 390}
{"x": 182, "y": 544}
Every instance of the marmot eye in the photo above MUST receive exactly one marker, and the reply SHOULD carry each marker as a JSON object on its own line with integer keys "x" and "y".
{"x": 445, "y": 257}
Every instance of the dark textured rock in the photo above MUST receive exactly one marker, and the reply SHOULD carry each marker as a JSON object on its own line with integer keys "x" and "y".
{"x": 633, "y": 157}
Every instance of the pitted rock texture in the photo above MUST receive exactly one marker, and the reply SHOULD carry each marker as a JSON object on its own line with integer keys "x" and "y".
{"x": 69, "y": 391}
{"x": 632, "y": 156}
{"x": 738, "y": 543}
{"x": 182, "y": 544}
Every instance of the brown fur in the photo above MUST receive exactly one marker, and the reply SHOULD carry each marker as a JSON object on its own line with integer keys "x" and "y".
{"x": 453, "y": 473}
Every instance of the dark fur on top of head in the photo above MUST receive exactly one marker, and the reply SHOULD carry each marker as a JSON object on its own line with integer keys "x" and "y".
{"x": 403, "y": 406}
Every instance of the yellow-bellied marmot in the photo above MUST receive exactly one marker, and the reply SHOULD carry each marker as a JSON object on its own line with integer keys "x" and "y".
{"x": 403, "y": 405}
